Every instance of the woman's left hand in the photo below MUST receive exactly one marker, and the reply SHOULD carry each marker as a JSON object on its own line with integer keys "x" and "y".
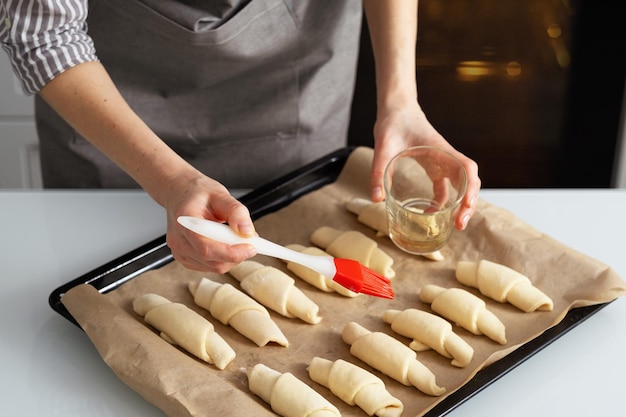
{"x": 396, "y": 130}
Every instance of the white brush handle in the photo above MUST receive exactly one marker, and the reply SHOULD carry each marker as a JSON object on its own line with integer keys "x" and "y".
{"x": 325, "y": 265}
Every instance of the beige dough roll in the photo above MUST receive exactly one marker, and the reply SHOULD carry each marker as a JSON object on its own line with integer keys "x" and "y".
{"x": 182, "y": 326}
{"x": 355, "y": 386}
{"x": 465, "y": 310}
{"x": 430, "y": 331}
{"x": 391, "y": 357}
{"x": 374, "y": 215}
{"x": 356, "y": 246}
{"x": 287, "y": 395}
{"x": 503, "y": 284}
{"x": 313, "y": 277}
{"x": 232, "y": 307}
{"x": 275, "y": 290}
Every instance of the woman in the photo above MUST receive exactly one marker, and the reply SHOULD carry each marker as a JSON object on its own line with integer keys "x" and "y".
{"x": 185, "y": 98}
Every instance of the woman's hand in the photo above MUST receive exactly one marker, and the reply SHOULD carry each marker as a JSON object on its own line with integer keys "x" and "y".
{"x": 205, "y": 198}
{"x": 396, "y": 130}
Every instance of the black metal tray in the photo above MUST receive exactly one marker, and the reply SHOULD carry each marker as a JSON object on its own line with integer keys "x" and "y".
{"x": 271, "y": 197}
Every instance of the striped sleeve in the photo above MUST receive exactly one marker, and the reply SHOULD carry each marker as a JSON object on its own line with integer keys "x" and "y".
{"x": 43, "y": 38}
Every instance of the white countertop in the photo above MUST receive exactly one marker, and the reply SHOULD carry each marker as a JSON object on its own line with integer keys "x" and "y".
{"x": 50, "y": 368}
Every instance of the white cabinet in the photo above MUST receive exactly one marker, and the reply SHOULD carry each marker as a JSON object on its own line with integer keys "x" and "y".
{"x": 19, "y": 153}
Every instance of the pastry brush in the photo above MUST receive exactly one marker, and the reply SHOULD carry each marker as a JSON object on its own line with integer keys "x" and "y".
{"x": 346, "y": 272}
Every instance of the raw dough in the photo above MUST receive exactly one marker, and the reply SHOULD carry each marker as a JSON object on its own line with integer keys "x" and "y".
{"x": 184, "y": 327}
{"x": 503, "y": 284}
{"x": 430, "y": 331}
{"x": 374, "y": 215}
{"x": 275, "y": 290}
{"x": 235, "y": 308}
{"x": 313, "y": 277}
{"x": 356, "y": 246}
{"x": 287, "y": 395}
{"x": 464, "y": 309}
{"x": 391, "y": 357}
{"x": 355, "y": 386}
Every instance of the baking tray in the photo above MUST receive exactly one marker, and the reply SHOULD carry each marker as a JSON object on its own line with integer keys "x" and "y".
{"x": 278, "y": 194}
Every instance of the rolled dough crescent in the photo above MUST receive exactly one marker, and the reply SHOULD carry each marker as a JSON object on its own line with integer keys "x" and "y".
{"x": 287, "y": 395}
{"x": 503, "y": 284}
{"x": 391, "y": 357}
{"x": 184, "y": 327}
{"x": 430, "y": 331}
{"x": 355, "y": 386}
{"x": 275, "y": 290}
{"x": 233, "y": 307}
{"x": 464, "y": 309}
{"x": 313, "y": 277}
{"x": 354, "y": 245}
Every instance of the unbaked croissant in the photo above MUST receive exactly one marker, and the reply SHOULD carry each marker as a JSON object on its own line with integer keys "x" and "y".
{"x": 430, "y": 331}
{"x": 232, "y": 307}
{"x": 354, "y": 245}
{"x": 464, "y": 309}
{"x": 275, "y": 290}
{"x": 355, "y": 386}
{"x": 503, "y": 284}
{"x": 314, "y": 278}
{"x": 182, "y": 326}
{"x": 391, "y": 357}
{"x": 374, "y": 215}
{"x": 287, "y": 395}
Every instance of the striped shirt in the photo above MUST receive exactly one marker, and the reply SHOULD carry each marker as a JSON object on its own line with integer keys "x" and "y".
{"x": 43, "y": 38}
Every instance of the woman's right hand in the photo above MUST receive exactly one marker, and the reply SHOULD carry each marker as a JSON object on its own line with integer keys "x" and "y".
{"x": 205, "y": 198}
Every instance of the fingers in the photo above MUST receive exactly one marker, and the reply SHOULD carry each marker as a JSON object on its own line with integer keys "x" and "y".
{"x": 470, "y": 201}
{"x": 196, "y": 252}
{"x": 239, "y": 219}
{"x": 233, "y": 212}
{"x": 441, "y": 193}
{"x": 376, "y": 180}
{"x": 199, "y": 253}
{"x": 207, "y": 255}
{"x": 382, "y": 156}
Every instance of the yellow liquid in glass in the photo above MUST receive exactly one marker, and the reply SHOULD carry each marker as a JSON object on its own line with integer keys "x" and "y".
{"x": 418, "y": 226}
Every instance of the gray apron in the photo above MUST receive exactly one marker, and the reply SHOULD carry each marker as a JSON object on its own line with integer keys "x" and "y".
{"x": 245, "y": 90}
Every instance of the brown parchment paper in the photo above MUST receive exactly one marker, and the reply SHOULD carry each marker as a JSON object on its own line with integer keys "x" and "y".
{"x": 181, "y": 385}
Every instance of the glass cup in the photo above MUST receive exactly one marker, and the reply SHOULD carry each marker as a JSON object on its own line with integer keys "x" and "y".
{"x": 423, "y": 189}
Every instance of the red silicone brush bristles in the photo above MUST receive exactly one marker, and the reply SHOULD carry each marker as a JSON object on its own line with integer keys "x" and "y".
{"x": 361, "y": 279}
